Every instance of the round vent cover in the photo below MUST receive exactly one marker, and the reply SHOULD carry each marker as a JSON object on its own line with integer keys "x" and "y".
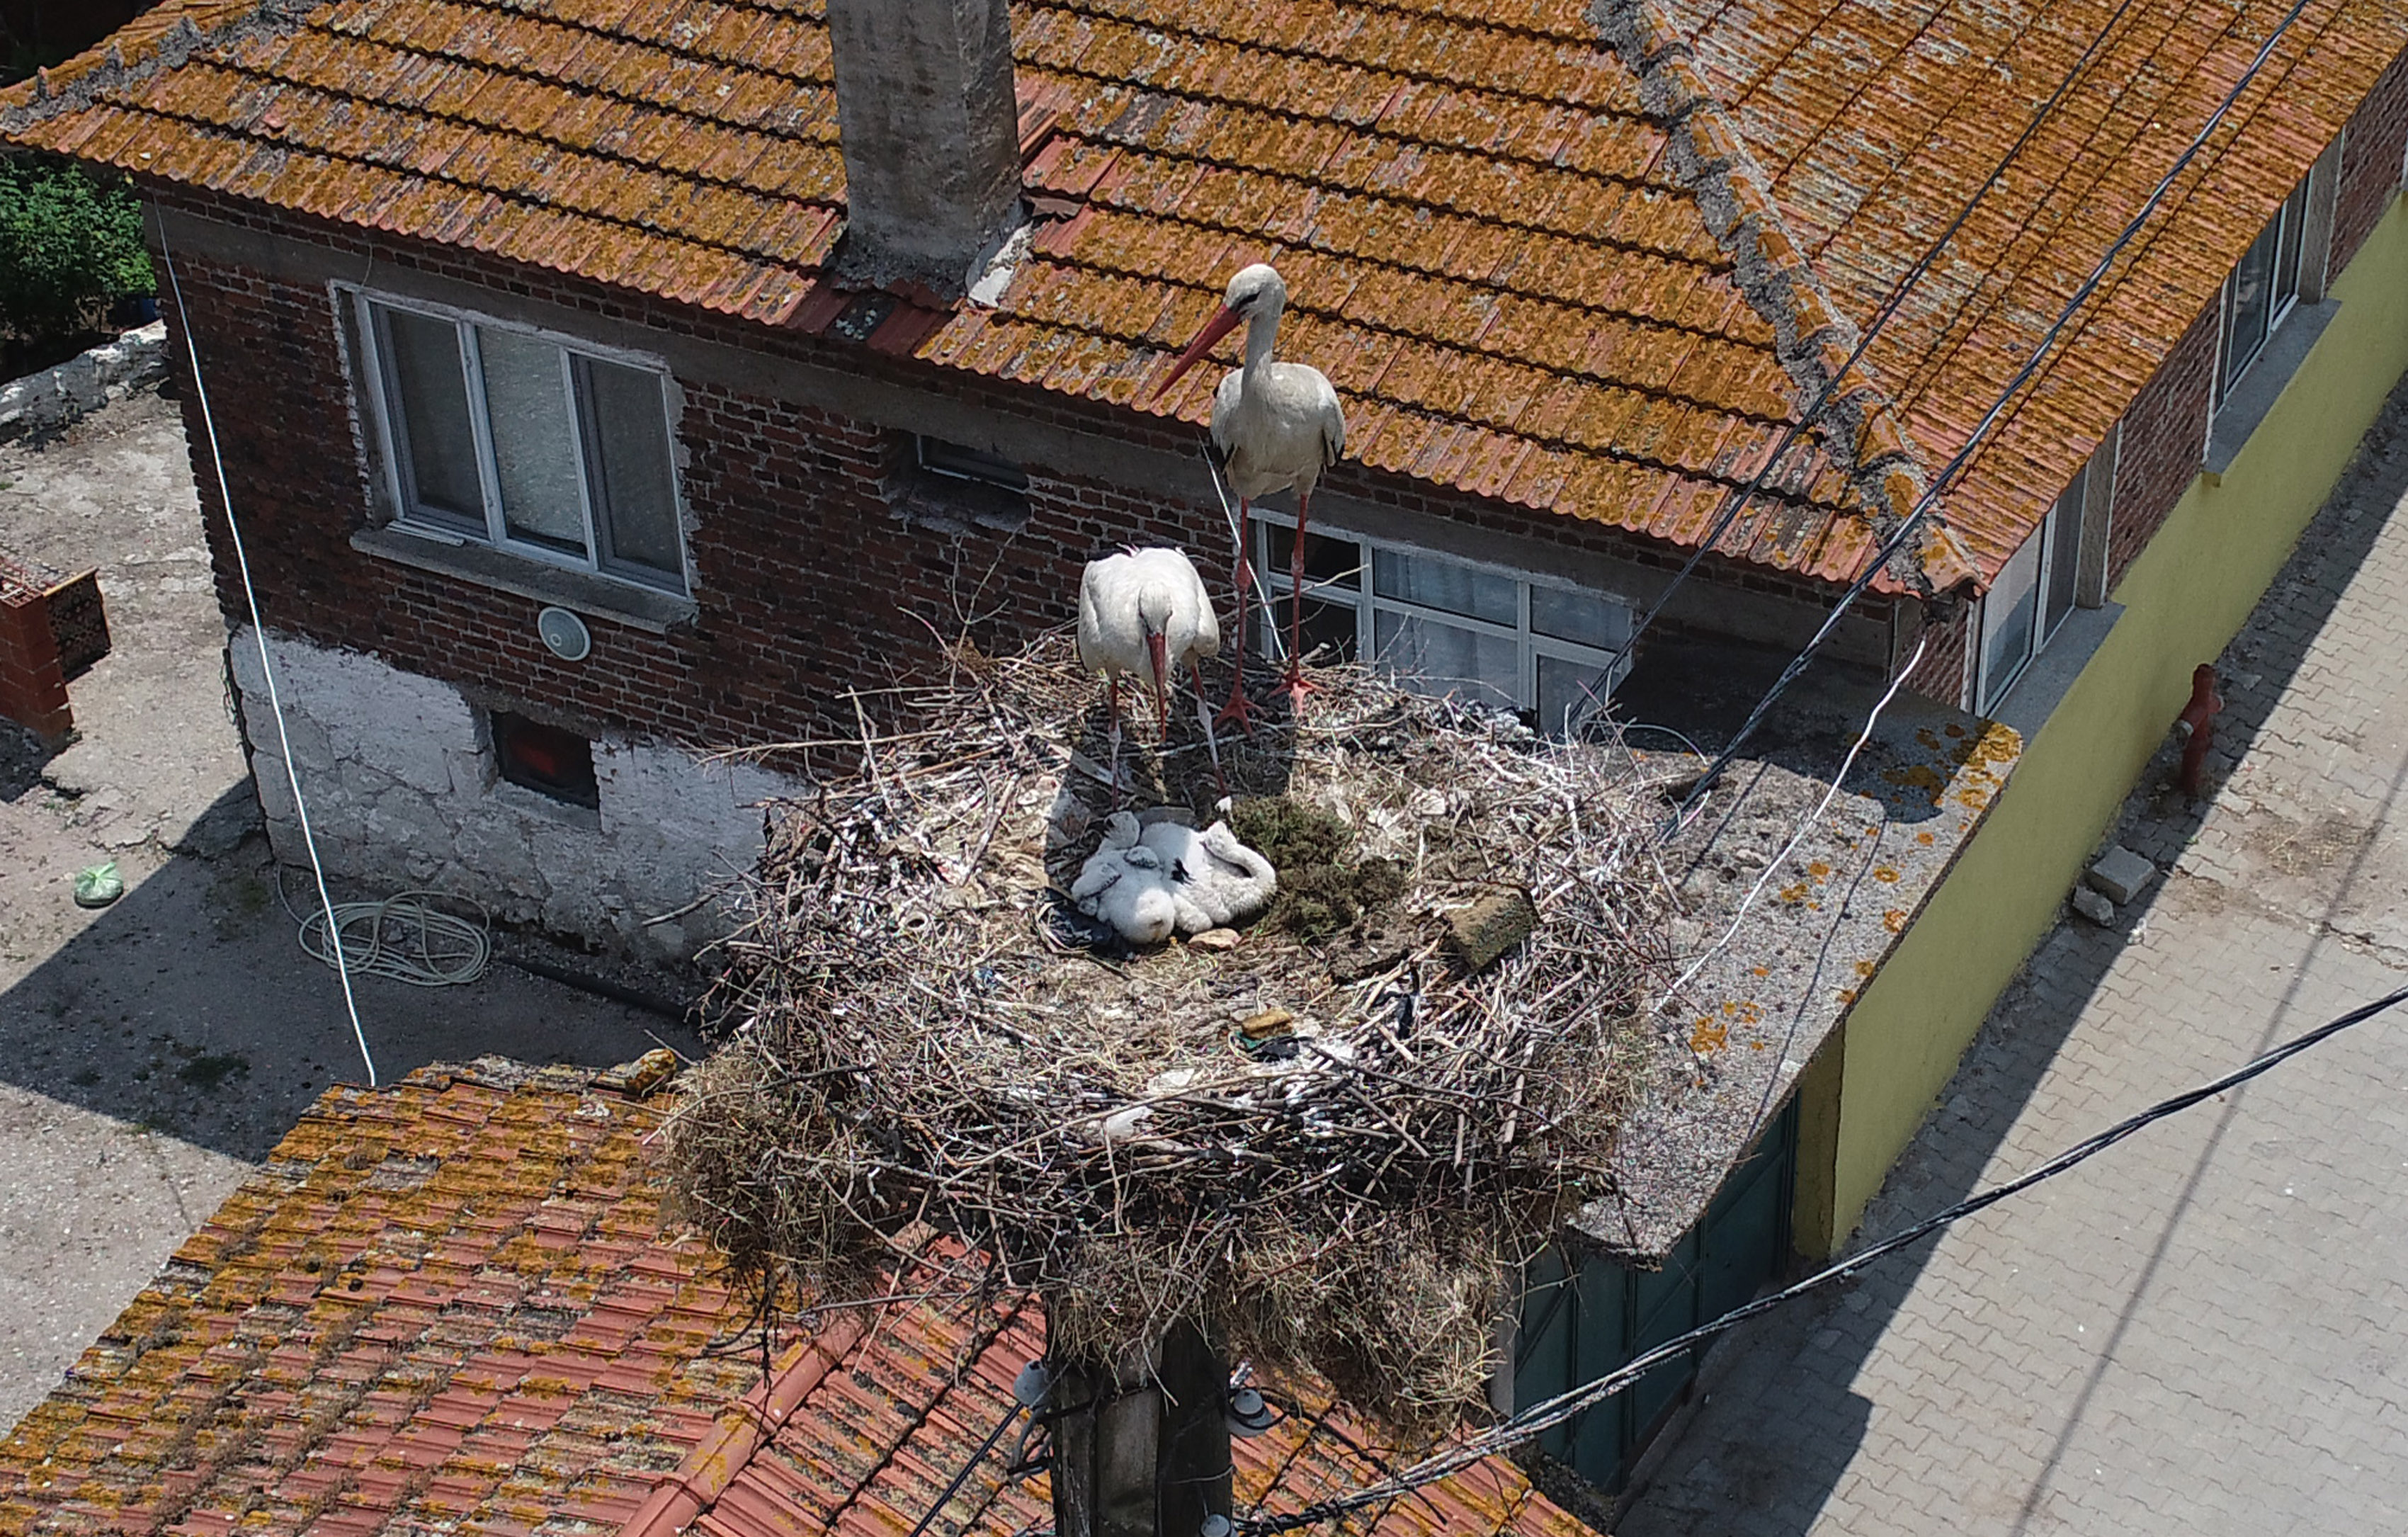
{"x": 564, "y": 633}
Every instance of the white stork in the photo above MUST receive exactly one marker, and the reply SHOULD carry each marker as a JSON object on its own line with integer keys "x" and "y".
{"x": 1275, "y": 425}
{"x": 1144, "y": 613}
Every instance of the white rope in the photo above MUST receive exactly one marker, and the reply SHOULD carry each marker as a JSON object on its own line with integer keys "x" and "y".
{"x": 1805, "y": 821}
{"x": 405, "y": 937}
{"x": 259, "y": 636}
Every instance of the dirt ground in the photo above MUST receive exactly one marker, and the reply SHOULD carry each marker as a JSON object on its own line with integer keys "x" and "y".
{"x": 153, "y": 1051}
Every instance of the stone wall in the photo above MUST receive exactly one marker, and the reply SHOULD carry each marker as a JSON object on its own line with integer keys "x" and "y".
{"x": 403, "y": 790}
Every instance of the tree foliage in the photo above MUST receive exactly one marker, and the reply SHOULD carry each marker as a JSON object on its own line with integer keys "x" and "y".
{"x": 70, "y": 244}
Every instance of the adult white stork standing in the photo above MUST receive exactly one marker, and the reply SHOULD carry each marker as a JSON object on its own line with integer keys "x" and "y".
{"x": 1276, "y": 426}
{"x": 1143, "y": 613}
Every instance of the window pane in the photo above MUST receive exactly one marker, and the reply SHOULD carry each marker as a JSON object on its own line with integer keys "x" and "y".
{"x": 637, "y": 494}
{"x": 2064, "y": 558}
{"x": 1586, "y": 618}
{"x": 2007, "y": 615}
{"x": 1329, "y": 626}
{"x": 1336, "y": 563}
{"x": 1568, "y": 694}
{"x": 431, "y": 397}
{"x": 1434, "y": 658}
{"x": 2295, "y": 228}
{"x": 1435, "y": 582}
{"x": 526, "y": 404}
{"x": 2252, "y": 302}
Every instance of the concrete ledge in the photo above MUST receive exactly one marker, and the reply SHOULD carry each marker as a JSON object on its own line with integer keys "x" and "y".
{"x": 599, "y": 596}
{"x": 84, "y": 382}
{"x": 2052, "y": 673}
{"x": 2265, "y": 381}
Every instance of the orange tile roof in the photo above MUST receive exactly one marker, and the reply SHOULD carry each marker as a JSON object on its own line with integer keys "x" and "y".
{"x": 1481, "y": 246}
{"x": 1486, "y": 246}
{"x": 448, "y": 1305}
{"x": 1876, "y": 126}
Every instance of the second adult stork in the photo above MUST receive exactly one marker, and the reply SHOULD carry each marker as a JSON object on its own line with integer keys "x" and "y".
{"x": 1144, "y": 613}
{"x": 1276, "y": 426}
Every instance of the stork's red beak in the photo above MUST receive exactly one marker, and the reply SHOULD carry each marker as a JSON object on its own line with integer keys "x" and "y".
{"x": 1220, "y": 326}
{"x": 1158, "y": 648}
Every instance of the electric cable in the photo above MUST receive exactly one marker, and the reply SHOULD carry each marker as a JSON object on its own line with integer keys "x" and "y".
{"x": 1956, "y": 465}
{"x": 963, "y": 1476}
{"x": 1811, "y": 818}
{"x": 259, "y": 636}
{"x": 1737, "y": 499}
{"x": 403, "y": 938}
{"x": 1549, "y": 1412}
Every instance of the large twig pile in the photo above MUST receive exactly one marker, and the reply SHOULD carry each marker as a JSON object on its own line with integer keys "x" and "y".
{"x": 919, "y": 1034}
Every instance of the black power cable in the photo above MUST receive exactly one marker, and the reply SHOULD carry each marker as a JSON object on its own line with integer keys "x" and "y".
{"x": 1737, "y": 499}
{"x": 1990, "y": 419}
{"x": 1544, "y": 1416}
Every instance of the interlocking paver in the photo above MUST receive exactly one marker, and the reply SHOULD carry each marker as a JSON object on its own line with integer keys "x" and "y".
{"x": 2198, "y": 1331}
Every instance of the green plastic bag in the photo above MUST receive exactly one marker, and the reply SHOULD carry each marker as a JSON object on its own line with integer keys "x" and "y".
{"x": 99, "y": 885}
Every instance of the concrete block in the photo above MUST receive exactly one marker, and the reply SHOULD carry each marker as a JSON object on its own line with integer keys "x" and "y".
{"x": 2091, "y": 905}
{"x": 2119, "y": 874}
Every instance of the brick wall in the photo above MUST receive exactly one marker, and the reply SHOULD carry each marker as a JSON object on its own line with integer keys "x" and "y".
{"x": 33, "y": 684}
{"x": 2370, "y": 163}
{"x": 807, "y": 579}
{"x": 2165, "y": 433}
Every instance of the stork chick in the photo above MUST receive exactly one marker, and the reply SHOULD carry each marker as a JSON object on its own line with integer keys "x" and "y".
{"x": 1277, "y": 426}
{"x": 1143, "y": 613}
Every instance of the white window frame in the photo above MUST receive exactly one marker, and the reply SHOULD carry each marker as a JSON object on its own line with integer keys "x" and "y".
{"x": 2059, "y": 538}
{"x": 2289, "y": 227}
{"x": 376, "y": 372}
{"x": 1529, "y": 643}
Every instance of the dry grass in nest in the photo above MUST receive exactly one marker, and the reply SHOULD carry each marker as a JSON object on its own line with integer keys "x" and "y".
{"x": 915, "y": 1038}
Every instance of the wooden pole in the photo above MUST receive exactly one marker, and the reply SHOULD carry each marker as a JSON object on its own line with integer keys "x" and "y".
{"x": 1144, "y": 1451}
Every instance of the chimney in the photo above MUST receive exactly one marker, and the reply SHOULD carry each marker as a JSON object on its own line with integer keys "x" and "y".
{"x": 931, "y": 137}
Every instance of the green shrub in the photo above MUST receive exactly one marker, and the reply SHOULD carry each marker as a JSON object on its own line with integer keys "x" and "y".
{"x": 69, "y": 244}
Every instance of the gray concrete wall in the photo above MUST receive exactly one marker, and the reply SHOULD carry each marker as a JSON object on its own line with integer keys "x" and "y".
{"x": 403, "y": 791}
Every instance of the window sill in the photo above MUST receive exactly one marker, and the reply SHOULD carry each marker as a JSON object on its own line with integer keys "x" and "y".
{"x": 601, "y": 596}
{"x": 958, "y": 506}
{"x": 2049, "y": 677}
{"x": 2264, "y": 382}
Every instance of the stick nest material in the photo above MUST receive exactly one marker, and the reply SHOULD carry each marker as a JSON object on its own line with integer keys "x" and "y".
{"x": 1332, "y": 1152}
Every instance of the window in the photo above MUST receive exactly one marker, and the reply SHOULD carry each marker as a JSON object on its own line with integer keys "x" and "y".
{"x": 2262, "y": 289}
{"x": 2033, "y": 593}
{"x": 951, "y": 461}
{"x": 545, "y": 759}
{"x": 1452, "y": 626}
{"x": 517, "y": 440}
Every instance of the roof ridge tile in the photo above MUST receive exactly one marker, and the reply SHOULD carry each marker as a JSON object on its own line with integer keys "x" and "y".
{"x": 1813, "y": 341}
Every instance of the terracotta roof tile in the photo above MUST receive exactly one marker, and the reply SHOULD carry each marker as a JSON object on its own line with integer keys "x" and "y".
{"x": 1483, "y": 235}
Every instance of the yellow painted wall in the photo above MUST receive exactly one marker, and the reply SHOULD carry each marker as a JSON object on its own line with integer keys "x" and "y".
{"x": 2184, "y": 598}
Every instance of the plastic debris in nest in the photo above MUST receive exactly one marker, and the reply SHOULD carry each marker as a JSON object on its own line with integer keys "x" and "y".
{"x": 1332, "y": 1151}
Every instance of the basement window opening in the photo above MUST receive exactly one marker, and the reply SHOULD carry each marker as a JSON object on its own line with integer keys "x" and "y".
{"x": 1549, "y": 652}
{"x": 517, "y": 440}
{"x": 545, "y": 759}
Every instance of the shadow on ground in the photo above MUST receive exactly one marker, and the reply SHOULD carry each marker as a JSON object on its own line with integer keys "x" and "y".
{"x": 1779, "y": 1481}
{"x": 188, "y": 1008}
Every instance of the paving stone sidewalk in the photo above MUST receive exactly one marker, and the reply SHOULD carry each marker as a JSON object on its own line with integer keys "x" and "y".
{"x": 2198, "y": 1331}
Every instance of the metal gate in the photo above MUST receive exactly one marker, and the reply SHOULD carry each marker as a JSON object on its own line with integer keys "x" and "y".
{"x": 1578, "y": 1326}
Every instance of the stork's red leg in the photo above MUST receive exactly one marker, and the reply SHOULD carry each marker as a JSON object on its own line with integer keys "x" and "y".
{"x": 1237, "y": 709}
{"x": 1296, "y": 687}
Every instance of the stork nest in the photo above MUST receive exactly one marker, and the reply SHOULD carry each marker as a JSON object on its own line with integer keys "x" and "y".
{"x": 921, "y": 1030}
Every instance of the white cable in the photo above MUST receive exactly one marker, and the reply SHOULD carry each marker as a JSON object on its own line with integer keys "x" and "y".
{"x": 1799, "y": 832}
{"x": 403, "y": 938}
{"x": 259, "y": 634}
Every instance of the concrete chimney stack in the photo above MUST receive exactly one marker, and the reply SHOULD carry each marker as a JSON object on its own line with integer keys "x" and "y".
{"x": 931, "y": 137}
